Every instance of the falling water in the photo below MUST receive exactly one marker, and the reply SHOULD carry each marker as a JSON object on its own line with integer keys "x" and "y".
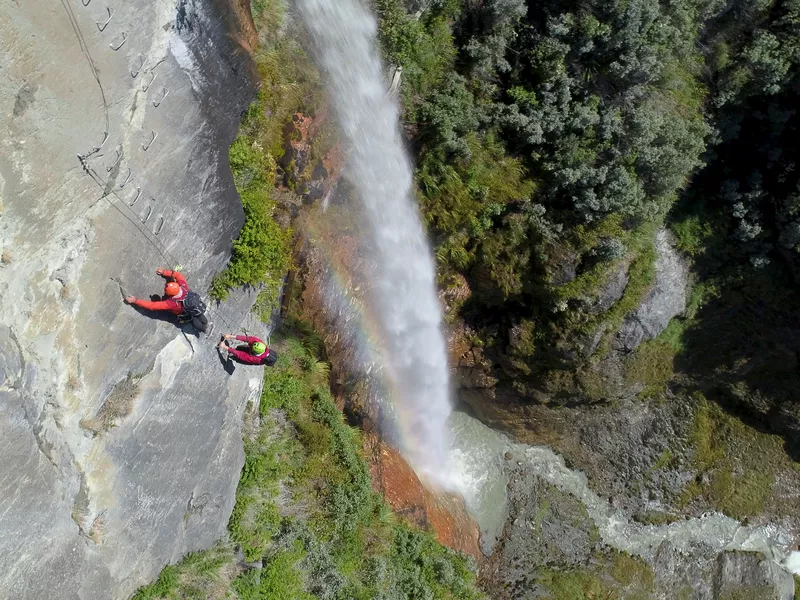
{"x": 404, "y": 295}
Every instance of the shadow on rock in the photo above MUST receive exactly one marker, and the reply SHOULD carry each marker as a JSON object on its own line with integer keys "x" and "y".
{"x": 226, "y": 360}
{"x": 744, "y": 351}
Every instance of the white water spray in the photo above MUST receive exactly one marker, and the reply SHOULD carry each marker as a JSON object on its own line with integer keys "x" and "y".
{"x": 404, "y": 294}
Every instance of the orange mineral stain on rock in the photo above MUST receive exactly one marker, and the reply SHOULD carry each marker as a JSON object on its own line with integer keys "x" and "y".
{"x": 442, "y": 513}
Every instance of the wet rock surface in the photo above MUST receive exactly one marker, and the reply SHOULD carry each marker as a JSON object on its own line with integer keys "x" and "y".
{"x": 94, "y": 512}
{"x": 545, "y": 526}
{"x": 442, "y": 513}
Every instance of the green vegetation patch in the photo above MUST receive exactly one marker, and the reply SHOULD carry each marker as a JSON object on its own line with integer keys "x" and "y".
{"x": 289, "y": 83}
{"x": 544, "y": 164}
{"x": 736, "y": 465}
{"x": 206, "y": 574}
{"x": 306, "y": 509}
{"x": 653, "y": 363}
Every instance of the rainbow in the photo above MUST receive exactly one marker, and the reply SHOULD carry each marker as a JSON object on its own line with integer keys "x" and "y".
{"x": 365, "y": 333}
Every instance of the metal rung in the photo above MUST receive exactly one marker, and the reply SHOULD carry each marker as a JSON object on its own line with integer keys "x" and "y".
{"x": 104, "y": 25}
{"x": 121, "y": 44}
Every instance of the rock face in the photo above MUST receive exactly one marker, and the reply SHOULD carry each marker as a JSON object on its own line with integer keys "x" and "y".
{"x": 120, "y": 434}
{"x": 665, "y": 300}
{"x": 740, "y": 571}
{"x": 442, "y": 513}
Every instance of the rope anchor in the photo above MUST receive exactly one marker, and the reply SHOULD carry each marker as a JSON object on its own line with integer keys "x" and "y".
{"x": 146, "y": 86}
{"x": 150, "y": 143}
{"x": 156, "y": 103}
{"x": 95, "y": 150}
{"x": 104, "y": 25}
{"x": 121, "y": 44}
{"x": 139, "y": 69}
{"x": 85, "y": 3}
{"x": 149, "y": 212}
{"x": 160, "y": 226}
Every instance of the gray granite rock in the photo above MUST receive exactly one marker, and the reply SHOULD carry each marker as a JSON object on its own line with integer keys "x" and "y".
{"x": 741, "y": 573}
{"x": 613, "y": 289}
{"x": 94, "y": 512}
{"x": 665, "y": 300}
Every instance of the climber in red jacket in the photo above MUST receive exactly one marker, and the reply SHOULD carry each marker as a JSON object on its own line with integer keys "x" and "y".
{"x": 255, "y": 353}
{"x": 175, "y": 290}
{"x": 178, "y": 300}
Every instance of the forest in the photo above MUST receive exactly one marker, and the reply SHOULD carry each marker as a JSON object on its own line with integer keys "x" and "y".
{"x": 553, "y": 139}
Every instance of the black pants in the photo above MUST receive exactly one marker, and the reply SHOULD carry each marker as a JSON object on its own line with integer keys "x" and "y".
{"x": 200, "y": 323}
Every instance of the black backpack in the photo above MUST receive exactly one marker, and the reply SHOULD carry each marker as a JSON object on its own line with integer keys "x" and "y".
{"x": 193, "y": 305}
{"x": 271, "y": 358}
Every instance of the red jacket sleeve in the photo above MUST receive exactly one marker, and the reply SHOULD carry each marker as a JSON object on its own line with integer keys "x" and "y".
{"x": 250, "y": 339}
{"x": 245, "y": 357}
{"x": 159, "y": 305}
{"x": 176, "y": 276}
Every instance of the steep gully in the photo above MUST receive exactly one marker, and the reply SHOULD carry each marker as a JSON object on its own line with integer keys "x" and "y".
{"x": 411, "y": 346}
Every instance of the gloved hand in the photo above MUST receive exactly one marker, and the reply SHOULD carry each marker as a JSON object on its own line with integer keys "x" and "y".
{"x": 130, "y": 299}
{"x": 159, "y": 271}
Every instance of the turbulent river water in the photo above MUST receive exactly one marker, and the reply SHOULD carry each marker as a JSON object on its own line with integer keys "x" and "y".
{"x": 485, "y": 458}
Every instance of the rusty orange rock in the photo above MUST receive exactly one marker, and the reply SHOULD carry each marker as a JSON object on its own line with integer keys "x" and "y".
{"x": 442, "y": 513}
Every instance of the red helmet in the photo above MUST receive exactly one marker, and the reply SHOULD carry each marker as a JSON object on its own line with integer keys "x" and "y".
{"x": 172, "y": 289}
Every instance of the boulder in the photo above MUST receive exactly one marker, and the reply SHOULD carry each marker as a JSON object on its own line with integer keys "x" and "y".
{"x": 613, "y": 289}
{"x": 665, "y": 300}
{"x": 750, "y": 575}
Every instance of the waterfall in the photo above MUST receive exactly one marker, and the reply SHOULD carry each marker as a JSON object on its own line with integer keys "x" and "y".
{"x": 403, "y": 297}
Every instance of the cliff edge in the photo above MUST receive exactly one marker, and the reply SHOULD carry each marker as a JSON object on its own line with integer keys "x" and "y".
{"x": 120, "y": 433}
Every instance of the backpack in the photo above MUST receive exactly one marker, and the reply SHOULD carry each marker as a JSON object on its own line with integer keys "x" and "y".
{"x": 193, "y": 305}
{"x": 271, "y": 358}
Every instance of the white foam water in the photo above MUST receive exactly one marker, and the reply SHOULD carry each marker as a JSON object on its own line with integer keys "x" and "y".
{"x": 403, "y": 298}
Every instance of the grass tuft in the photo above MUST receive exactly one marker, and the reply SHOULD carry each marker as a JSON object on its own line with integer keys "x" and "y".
{"x": 118, "y": 405}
